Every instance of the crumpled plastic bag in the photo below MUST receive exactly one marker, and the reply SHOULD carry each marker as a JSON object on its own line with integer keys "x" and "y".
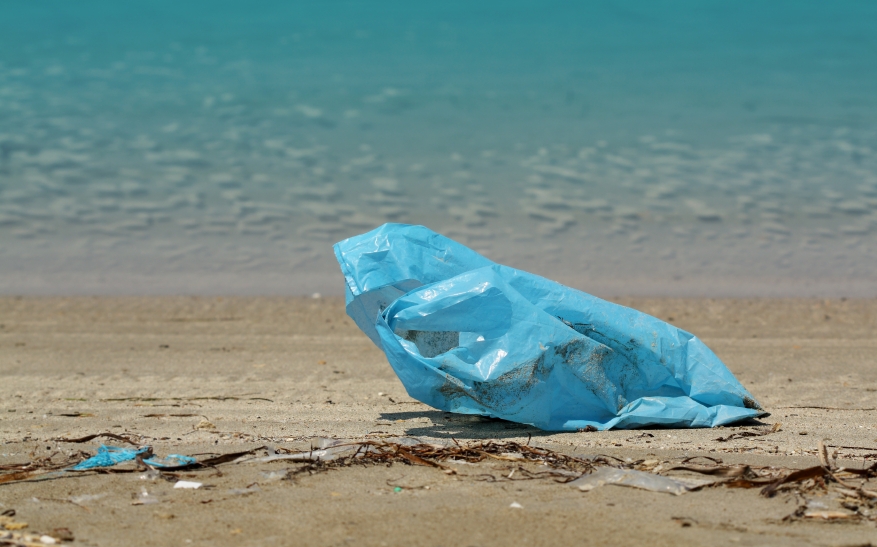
{"x": 470, "y": 336}
{"x": 632, "y": 478}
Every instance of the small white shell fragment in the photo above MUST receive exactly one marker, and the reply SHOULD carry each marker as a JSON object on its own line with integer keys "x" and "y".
{"x": 187, "y": 484}
{"x": 516, "y": 505}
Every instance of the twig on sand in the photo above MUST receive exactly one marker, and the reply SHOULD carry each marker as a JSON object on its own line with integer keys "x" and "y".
{"x": 95, "y": 436}
{"x": 776, "y": 427}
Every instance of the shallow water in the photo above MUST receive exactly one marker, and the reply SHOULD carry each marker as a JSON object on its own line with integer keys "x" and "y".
{"x": 621, "y": 147}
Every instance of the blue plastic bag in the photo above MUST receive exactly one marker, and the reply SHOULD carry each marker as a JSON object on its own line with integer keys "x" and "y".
{"x": 470, "y": 336}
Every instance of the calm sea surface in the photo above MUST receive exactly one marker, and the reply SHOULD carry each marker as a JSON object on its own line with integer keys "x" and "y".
{"x": 637, "y": 147}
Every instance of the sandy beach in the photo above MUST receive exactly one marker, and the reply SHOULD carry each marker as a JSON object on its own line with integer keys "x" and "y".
{"x": 712, "y": 164}
{"x": 220, "y": 375}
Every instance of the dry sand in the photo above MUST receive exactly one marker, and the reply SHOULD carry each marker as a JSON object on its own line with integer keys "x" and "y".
{"x": 286, "y": 371}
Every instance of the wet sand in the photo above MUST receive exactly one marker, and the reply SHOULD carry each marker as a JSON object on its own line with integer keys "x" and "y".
{"x": 286, "y": 371}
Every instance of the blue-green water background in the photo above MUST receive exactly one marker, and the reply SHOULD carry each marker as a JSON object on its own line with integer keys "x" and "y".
{"x": 695, "y": 148}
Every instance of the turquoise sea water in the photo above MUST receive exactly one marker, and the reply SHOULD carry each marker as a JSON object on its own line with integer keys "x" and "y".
{"x": 695, "y": 148}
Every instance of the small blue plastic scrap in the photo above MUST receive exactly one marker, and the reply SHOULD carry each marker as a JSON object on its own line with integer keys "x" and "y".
{"x": 171, "y": 460}
{"x": 108, "y": 456}
{"x": 470, "y": 336}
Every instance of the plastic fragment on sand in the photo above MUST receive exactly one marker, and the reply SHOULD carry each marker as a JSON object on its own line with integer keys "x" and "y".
{"x": 470, "y": 336}
{"x": 150, "y": 475}
{"x": 324, "y": 455}
{"x": 516, "y": 505}
{"x": 632, "y": 478}
{"x": 187, "y": 485}
{"x": 108, "y": 456}
{"x": 171, "y": 460}
{"x": 145, "y": 498}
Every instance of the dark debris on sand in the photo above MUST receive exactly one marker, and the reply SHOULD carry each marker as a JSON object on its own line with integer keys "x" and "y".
{"x": 851, "y": 487}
